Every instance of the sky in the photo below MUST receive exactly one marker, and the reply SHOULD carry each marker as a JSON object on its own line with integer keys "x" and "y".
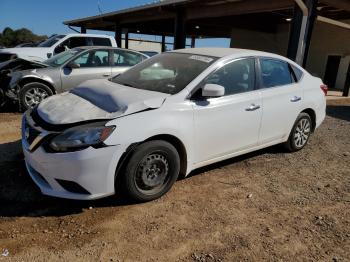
{"x": 45, "y": 17}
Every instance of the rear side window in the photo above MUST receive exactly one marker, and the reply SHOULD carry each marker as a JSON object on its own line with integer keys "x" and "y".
{"x": 125, "y": 58}
{"x": 77, "y": 41}
{"x": 275, "y": 73}
{"x": 99, "y": 41}
{"x": 297, "y": 72}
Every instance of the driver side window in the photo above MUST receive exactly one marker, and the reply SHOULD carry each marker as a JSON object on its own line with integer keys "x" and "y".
{"x": 236, "y": 77}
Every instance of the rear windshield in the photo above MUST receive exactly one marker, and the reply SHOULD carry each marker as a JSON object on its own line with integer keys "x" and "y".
{"x": 166, "y": 73}
{"x": 98, "y": 41}
{"x": 51, "y": 41}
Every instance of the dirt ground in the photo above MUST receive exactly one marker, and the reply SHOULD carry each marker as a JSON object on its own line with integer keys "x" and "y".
{"x": 268, "y": 205}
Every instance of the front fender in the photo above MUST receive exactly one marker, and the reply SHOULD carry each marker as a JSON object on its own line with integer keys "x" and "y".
{"x": 138, "y": 127}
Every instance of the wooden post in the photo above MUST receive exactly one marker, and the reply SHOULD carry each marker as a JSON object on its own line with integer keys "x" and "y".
{"x": 126, "y": 40}
{"x": 163, "y": 43}
{"x": 118, "y": 35}
{"x": 193, "y": 42}
{"x": 180, "y": 32}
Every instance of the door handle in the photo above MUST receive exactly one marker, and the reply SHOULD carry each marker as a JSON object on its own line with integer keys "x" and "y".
{"x": 252, "y": 107}
{"x": 295, "y": 99}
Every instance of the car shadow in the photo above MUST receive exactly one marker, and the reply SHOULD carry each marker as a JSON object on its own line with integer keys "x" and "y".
{"x": 19, "y": 196}
{"x": 340, "y": 112}
{"x": 10, "y": 107}
{"x": 277, "y": 149}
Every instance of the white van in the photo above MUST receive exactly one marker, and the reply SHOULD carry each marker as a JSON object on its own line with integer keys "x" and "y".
{"x": 54, "y": 45}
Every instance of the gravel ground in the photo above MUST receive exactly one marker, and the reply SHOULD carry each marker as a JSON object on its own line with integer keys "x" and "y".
{"x": 268, "y": 205}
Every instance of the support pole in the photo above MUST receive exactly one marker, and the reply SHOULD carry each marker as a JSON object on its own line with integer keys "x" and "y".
{"x": 163, "y": 43}
{"x": 118, "y": 35}
{"x": 180, "y": 32}
{"x": 83, "y": 30}
{"x": 193, "y": 42}
{"x": 126, "y": 45}
{"x": 305, "y": 14}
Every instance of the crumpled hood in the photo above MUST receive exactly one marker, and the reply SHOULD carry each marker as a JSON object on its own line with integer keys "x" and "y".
{"x": 97, "y": 99}
{"x": 30, "y": 53}
{"x": 20, "y": 64}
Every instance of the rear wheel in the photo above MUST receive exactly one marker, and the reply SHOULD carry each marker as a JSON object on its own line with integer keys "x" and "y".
{"x": 300, "y": 134}
{"x": 151, "y": 171}
{"x": 32, "y": 94}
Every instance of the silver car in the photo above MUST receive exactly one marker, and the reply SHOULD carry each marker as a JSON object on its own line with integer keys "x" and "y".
{"x": 67, "y": 70}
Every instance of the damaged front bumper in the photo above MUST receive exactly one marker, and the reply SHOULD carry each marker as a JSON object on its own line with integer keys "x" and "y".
{"x": 83, "y": 175}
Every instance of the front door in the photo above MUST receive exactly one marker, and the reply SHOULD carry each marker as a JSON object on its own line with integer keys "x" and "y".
{"x": 93, "y": 64}
{"x": 228, "y": 124}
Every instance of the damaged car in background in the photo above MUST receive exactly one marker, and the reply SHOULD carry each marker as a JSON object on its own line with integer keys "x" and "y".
{"x": 10, "y": 66}
{"x": 29, "y": 82}
{"x": 175, "y": 112}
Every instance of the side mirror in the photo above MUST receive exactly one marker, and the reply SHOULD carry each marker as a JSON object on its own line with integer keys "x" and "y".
{"x": 49, "y": 55}
{"x": 213, "y": 90}
{"x": 73, "y": 65}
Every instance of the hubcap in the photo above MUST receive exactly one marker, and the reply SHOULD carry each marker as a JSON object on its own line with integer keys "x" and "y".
{"x": 302, "y": 132}
{"x": 152, "y": 173}
{"x": 34, "y": 96}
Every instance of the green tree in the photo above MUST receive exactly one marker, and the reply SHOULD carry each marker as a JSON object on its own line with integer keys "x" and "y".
{"x": 10, "y": 38}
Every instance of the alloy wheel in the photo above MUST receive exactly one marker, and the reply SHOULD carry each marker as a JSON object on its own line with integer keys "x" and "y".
{"x": 34, "y": 96}
{"x": 302, "y": 132}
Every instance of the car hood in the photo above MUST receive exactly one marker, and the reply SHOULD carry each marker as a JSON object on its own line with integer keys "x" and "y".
{"x": 31, "y": 53}
{"x": 95, "y": 100}
{"x": 20, "y": 64}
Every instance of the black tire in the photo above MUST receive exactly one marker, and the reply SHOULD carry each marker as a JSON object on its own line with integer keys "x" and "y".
{"x": 292, "y": 143}
{"x": 151, "y": 171}
{"x": 39, "y": 91}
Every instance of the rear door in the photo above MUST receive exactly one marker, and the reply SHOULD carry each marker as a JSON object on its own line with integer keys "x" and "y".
{"x": 93, "y": 64}
{"x": 281, "y": 97}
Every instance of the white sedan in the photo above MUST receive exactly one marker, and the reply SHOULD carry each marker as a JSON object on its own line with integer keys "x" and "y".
{"x": 165, "y": 117}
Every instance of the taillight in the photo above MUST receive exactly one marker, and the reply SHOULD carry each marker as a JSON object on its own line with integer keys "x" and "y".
{"x": 324, "y": 89}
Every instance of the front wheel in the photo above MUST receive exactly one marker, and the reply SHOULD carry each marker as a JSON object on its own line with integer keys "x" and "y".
{"x": 32, "y": 94}
{"x": 151, "y": 171}
{"x": 300, "y": 133}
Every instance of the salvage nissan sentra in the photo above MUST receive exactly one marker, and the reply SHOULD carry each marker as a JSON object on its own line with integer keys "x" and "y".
{"x": 167, "y": 116}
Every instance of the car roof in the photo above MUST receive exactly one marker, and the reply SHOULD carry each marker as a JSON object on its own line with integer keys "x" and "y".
{"x": 107, "y": 47}
{"x": 87, "y": 35}
{"x": 222, "y": 52}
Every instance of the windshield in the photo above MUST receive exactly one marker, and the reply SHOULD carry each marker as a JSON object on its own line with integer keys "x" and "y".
{"x": 51, "y": 41}
{"x": 61, "y": 58}
{"x": 166, "y": 73}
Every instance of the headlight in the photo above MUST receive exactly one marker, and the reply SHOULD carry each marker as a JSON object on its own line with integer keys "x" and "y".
{"x": 81, "y": 137}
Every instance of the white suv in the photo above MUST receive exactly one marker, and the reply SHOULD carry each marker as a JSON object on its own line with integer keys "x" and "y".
{"x": 166, "y": 116}
{"x": 55, "y": 45}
